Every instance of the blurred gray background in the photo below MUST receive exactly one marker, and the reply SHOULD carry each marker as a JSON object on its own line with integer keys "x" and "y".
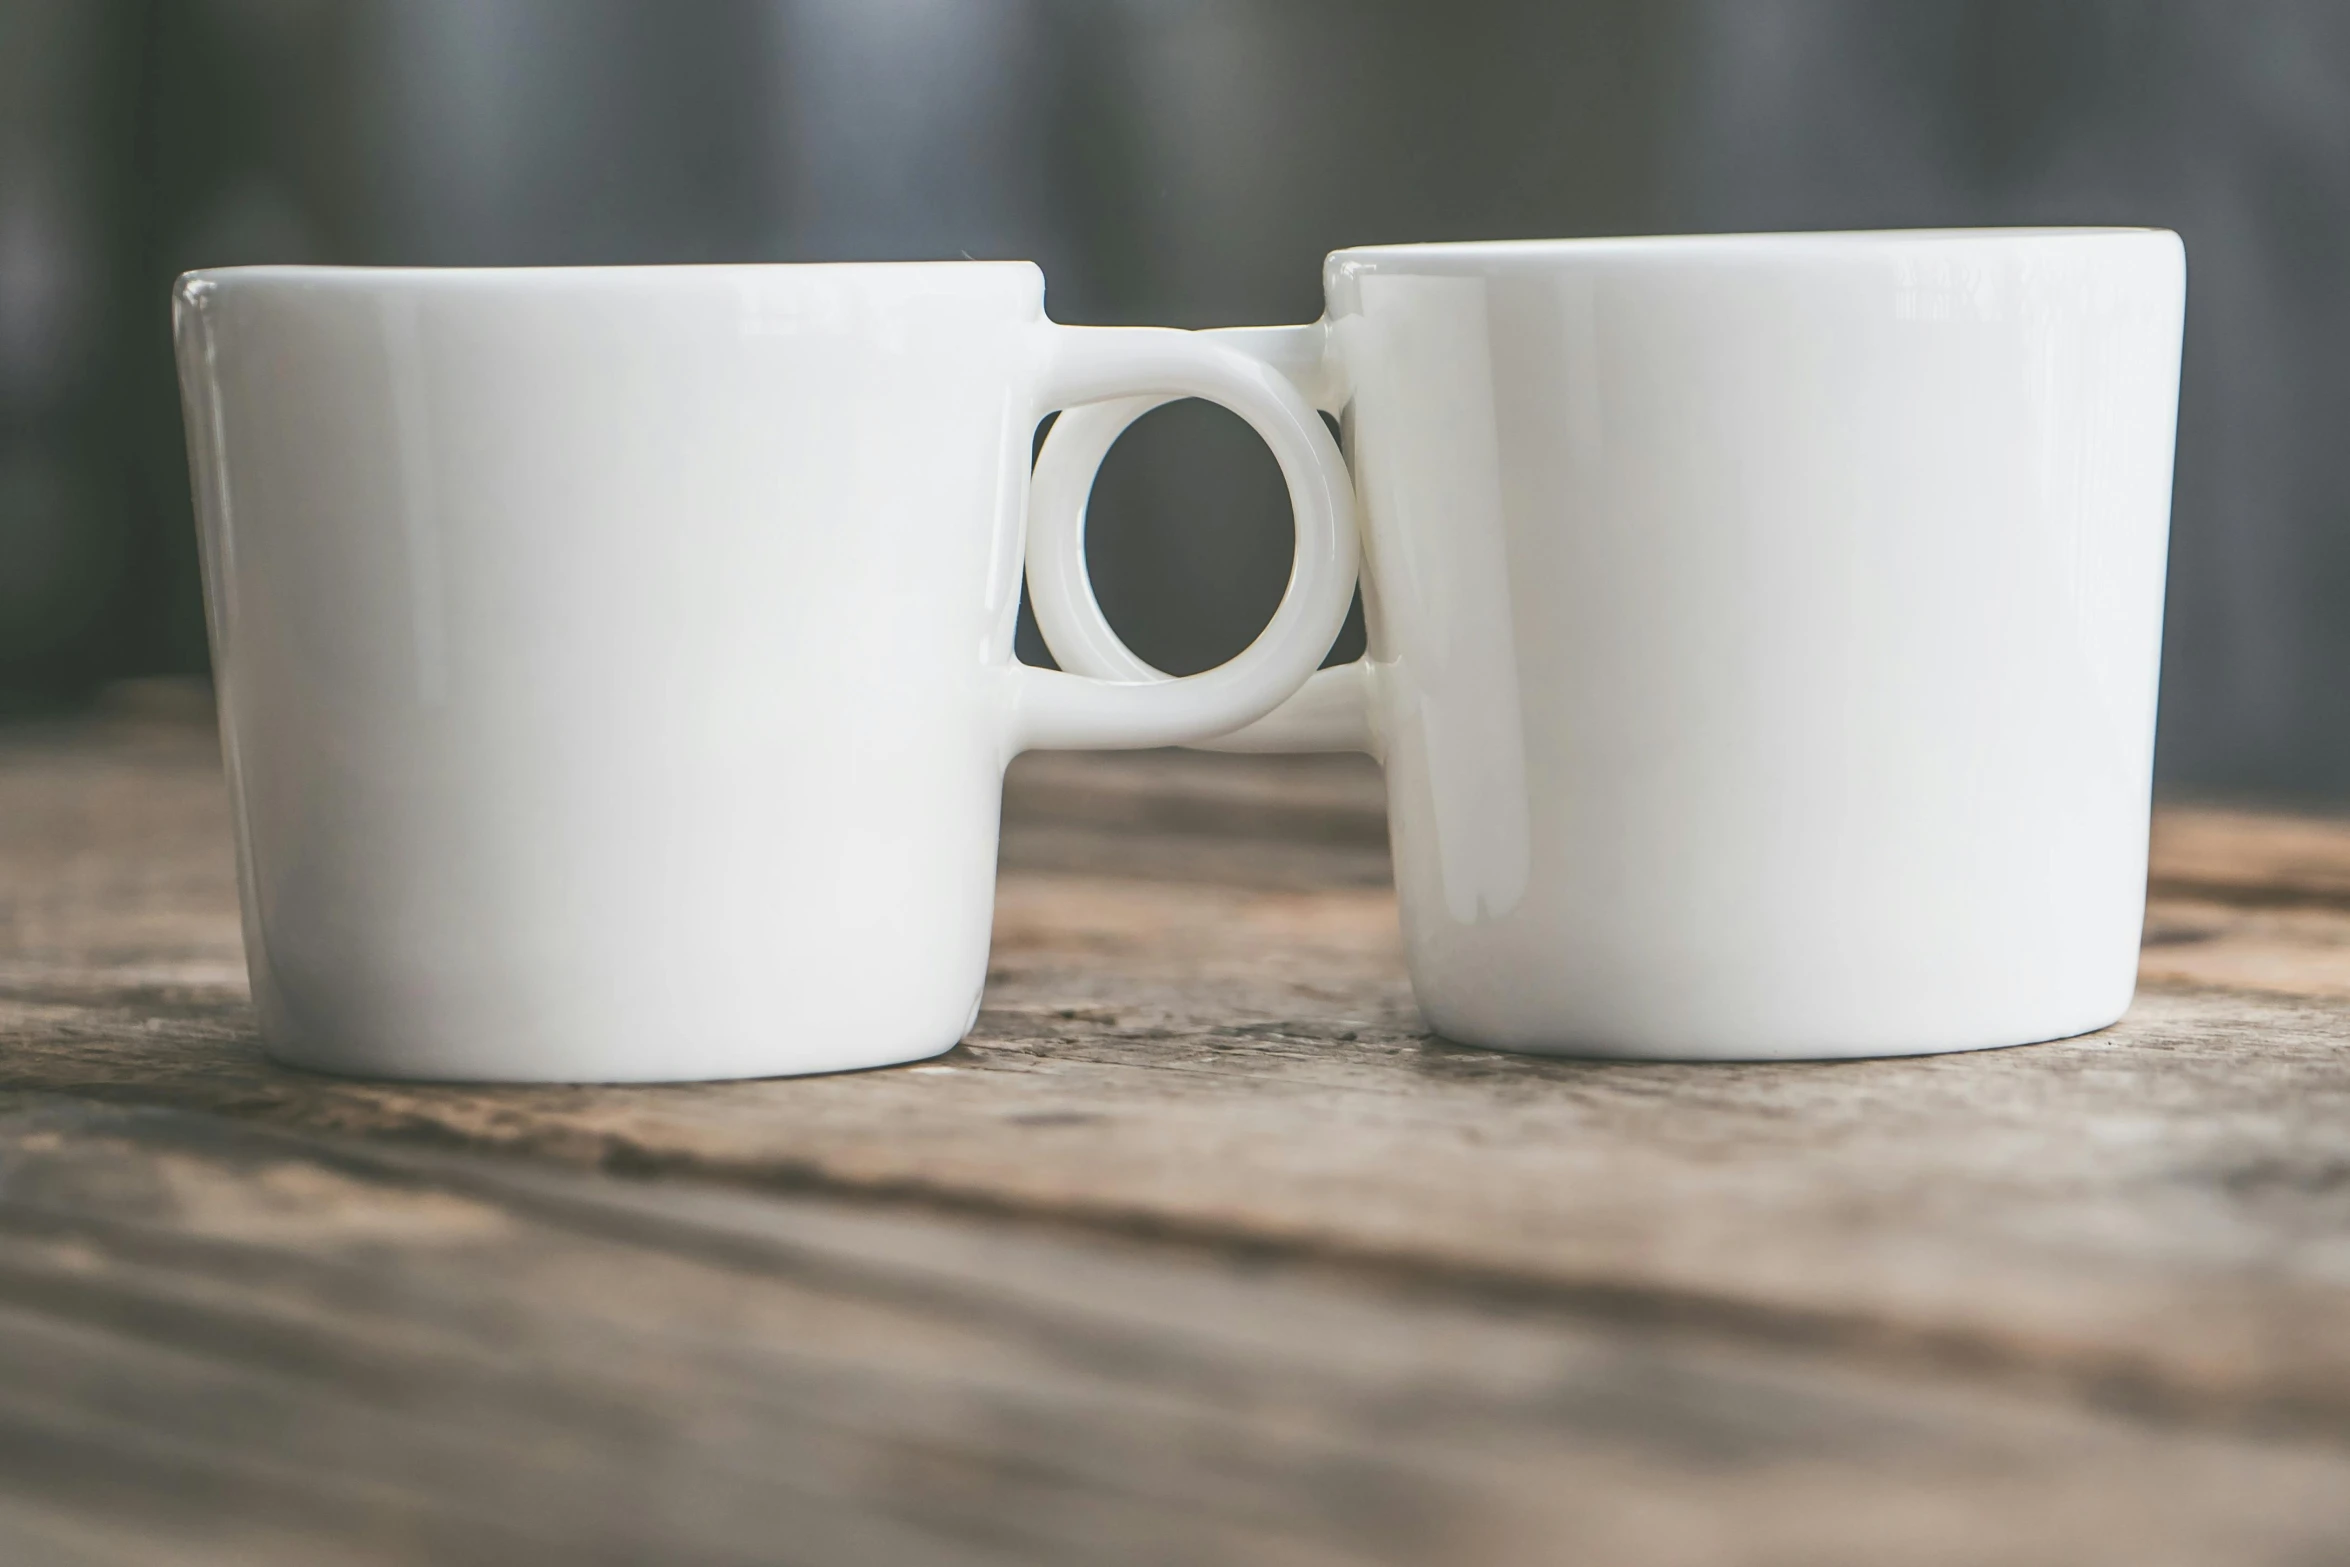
{"x": 1185, "y": 162}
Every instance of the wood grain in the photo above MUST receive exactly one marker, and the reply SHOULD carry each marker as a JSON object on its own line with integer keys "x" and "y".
{"x": 234, "y": 1346}
{"x": 1199, "y": 1057}
{"x": 2214, "y": 853}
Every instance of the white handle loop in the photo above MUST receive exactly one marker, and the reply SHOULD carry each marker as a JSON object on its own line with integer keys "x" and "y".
{"x": 1331, "y": 711}
{"x": 1130, "y": 704}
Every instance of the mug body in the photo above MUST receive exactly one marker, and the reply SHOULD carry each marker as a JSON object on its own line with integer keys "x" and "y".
{"x": 610, "y": 659}
{"x": 1765, "y": 630}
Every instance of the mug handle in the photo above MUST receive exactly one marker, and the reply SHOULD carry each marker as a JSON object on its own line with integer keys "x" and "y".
{"x": 1095, "y": 369}
{"x": 1332, "y": 711}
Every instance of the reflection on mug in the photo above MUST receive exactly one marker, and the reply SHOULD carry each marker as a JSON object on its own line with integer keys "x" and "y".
{"x": 1430, "y": 477}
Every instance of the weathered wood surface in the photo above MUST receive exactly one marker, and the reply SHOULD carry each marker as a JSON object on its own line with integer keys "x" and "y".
{"x": 226, "y": 1344}
{"x": 1372, "y": 1297}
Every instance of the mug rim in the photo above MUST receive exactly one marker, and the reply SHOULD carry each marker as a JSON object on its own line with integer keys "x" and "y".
{"x": 1018, "y": 283}
{"x": 364, "y": 270}
{"x": 1774, "y": 243}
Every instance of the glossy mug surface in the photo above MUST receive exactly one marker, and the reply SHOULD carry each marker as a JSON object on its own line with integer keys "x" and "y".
{"x": 1763, "y": 629}
{"x": 615, "y": 665}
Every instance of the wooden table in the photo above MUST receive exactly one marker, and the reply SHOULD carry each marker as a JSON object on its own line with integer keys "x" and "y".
{"x": 1197, "y": 1251}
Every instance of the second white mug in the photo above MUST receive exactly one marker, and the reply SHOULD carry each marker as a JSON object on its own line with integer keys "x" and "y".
{"x": 1763, "y": 629}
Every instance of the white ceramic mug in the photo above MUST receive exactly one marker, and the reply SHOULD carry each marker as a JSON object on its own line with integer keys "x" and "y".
{"x": 615, "y": 664}
{"x": 1763, "y": 629}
